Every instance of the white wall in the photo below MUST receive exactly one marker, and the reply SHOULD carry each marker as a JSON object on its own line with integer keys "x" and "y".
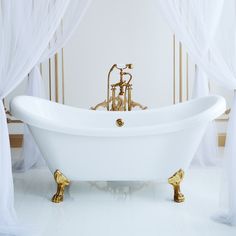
{"x": 124, "y": 31}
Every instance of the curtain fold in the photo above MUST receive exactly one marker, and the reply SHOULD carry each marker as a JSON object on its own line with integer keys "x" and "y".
{"x": 219, "y": 63}
{"x": 69, "y": 23}
{"x": 230, "y": 153}
{"x": 23, "y": 38}
{"x": 75, "y": 12}
{"x": 31, "y": 155}
{"x": 195, "y": 24}
{"x": 7, "y": 194}
{"x": 207, "y": 153}
{"x": 201, "y": 83}
{"x": 226, "y": 46}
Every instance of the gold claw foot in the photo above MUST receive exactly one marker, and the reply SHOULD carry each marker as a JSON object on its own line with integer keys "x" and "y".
{"x": 175, "y": 181}
{"x": 62, "y": 182}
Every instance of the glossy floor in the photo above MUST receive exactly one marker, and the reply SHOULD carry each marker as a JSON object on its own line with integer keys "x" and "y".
{"x": 138, "y": 209}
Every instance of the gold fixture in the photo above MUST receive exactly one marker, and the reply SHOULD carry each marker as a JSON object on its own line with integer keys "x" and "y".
{"x": 121, "y": 101}
{"x": 120, "y": 122}
{"x": 62, "y": 182}
{"x": 175, "y": 181}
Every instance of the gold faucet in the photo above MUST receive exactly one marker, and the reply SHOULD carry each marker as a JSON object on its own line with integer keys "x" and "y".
{"x": 118, "y": 102}
{"x": 121, "y": 101}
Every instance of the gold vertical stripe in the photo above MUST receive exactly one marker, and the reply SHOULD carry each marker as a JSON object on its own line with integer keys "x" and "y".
{"x": 56, "y": 78}
{"x": 50, "y": 78}
{"x": 180, "y": 73}
{"x": 41, "y": 69}
{"x": 16, "y": 140}
{"x": 63, "y": 77}
{"x": 174, "y": 69}
{"x": 221, "y": 139}
{"x": 187, "y": 78}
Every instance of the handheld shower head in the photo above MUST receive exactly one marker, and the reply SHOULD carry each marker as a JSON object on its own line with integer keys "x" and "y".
{"x": 130, "y": 66}
{"x": 124, "y": 66}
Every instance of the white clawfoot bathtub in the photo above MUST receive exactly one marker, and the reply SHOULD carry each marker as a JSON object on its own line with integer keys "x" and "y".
{"x": 88, "y": 145}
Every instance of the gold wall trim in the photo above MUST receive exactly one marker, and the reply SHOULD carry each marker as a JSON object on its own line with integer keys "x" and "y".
{"x": 56, "y": 78}
{"x": 16, "y": 140}
{"x": 221, "y": 139}
{"x": 50, "y": 78}
{"x": 180, "y": 73}
{"x": 63, "y": 76}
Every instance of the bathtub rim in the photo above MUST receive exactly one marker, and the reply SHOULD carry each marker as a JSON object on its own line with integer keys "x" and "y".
{"x": 31, "y": 119}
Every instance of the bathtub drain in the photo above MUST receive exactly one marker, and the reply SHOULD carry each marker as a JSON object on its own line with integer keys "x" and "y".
{"x": 120, "y": 122}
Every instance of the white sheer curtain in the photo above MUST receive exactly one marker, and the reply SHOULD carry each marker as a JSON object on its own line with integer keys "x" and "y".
{"x": 217, "y": 58}
{"x": 225, "y": 46}
{"x": 194, "y": 23}
{"x": 207, "y": 153}
{"x": 70, "y": 22}
{"x": 31, "y": 156}
{"x": 31, "y": 152}
{"x": 23, "y": 38}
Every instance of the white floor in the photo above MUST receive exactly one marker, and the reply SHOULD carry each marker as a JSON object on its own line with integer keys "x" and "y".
{"x": 121, "y": 210}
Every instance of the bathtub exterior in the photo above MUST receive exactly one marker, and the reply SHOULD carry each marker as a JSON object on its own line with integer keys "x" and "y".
{"x": 88, "y": 145}
{"x": 86, "y": 158}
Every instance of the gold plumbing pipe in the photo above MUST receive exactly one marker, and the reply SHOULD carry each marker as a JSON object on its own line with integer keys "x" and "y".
{"x": 130, "y": 77}
{"x": 125, "y": 100}
{"x": 128, "y": 86}
{"x": 129, "y": 98}
{"x": 108, "y": 86}
{"x": 113, "y": 99}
